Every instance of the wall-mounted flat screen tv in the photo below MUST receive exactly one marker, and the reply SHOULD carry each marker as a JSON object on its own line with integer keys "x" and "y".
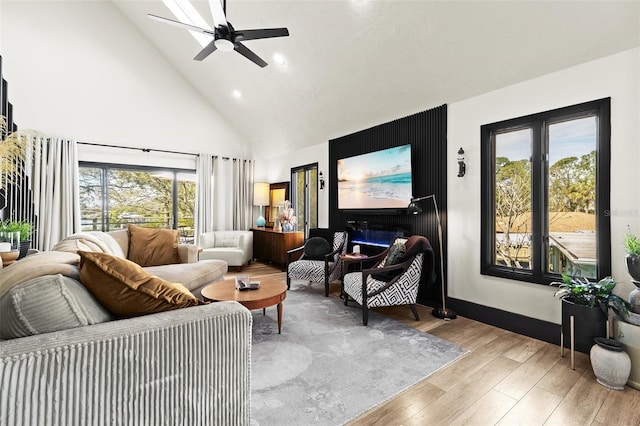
{"x": 376, "y": 180}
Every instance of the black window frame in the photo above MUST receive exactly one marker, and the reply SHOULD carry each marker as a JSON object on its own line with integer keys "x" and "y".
{"x": 539, "y": 173}
{"x": 105, "y": 167}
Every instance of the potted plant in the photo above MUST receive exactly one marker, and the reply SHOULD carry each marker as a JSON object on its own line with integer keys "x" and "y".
{"x": 17, "y": 233}
{"x": 632, "y": 247}
{"x": 24, "y": 228}
{"x": 588, "y": 302}
{"x": 626, "y": 328}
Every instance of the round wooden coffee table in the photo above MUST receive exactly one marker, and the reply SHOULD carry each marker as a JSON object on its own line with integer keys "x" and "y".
{"x": 271, "y": 292}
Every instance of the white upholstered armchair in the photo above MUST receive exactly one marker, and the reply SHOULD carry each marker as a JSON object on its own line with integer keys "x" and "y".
{"x": 234, "y": 247}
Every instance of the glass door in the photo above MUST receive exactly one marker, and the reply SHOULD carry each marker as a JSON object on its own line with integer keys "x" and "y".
{"x": 304, "y": 196}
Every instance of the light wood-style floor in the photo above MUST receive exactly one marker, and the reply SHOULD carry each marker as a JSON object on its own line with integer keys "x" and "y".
{"x": 505, "y": 379}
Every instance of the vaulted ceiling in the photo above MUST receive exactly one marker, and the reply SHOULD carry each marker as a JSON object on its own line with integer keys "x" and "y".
{"x": 351, "y": 64}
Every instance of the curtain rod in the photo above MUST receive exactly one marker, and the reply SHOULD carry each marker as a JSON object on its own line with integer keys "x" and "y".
{"x": 138, "y": 149}
{"x": 156, "y": 150}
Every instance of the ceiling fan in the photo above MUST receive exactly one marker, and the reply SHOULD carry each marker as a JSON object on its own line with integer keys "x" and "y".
{"x": 225, "y": 37}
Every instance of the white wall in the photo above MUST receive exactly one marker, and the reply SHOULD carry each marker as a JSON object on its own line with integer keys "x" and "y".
{"x": 614, "y": 76}
{"x": 278, "y": 169}
{"x": 80, "y": 70}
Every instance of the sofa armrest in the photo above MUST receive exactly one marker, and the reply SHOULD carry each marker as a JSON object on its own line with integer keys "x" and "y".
{"x": 175, "y": 367}
{"x": 207, "y": 239}
{"x": 188, "y": 253}
{"x": 245, "y": 243}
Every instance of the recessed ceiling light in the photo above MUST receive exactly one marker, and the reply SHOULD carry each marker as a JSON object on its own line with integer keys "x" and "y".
{"x": 237, "y": 94}
{"x": 279, "y": 59}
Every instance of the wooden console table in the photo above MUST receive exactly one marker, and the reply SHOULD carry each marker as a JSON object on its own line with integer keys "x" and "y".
{"x": 272, "y": 245}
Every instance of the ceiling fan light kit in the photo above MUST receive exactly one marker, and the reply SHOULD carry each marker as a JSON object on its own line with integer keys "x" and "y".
{"x": 225, "y": 37}
{"x": 223, "y": 45}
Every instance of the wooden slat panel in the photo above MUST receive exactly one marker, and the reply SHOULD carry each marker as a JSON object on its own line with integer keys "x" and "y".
{"x": 17, "y": 202}
{"x": 427, "y": 133}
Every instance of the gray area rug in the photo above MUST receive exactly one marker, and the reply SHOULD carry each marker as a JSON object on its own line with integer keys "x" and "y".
{"x": 326, "y": 368}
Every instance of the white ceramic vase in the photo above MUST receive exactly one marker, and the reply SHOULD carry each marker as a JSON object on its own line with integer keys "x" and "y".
{"x": 610, "y": 363}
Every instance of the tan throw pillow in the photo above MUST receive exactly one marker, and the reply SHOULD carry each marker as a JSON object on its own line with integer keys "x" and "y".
{"x": 153, "y": 246}
{"x": 126, "y": 290}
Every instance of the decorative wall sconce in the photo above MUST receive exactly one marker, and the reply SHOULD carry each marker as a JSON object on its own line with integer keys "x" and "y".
{"x": 462, "y": 168}
{"x": 321, "y": 180}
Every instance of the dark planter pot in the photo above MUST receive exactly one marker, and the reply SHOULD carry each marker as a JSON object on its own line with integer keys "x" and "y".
{"x": 633, "y": 266}
{"x": 589, "y": 323}
{"x": 24, "y": 248}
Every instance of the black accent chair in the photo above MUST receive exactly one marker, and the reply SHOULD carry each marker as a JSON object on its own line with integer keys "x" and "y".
{"x": 314, "y": 264}
{"x": 394, "y": 279}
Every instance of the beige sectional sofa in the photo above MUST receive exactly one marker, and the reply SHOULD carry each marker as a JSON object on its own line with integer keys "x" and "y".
{"x": 179, "y": 367}
{"x": 191, "y": 273}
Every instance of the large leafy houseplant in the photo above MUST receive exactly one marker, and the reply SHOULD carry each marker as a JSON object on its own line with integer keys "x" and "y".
{"x": 585, "y": 309}
{"x": 593, "y": 294}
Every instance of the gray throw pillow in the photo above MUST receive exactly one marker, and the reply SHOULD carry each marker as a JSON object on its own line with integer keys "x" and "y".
{"x": 393, "y": 258}
{"x": 48, "y": 303}
{"x": 316, "y": 248}
{"x": 395, "y": 254}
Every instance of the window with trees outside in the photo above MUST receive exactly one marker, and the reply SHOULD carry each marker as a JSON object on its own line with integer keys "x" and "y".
{"x": 113, "y": 196}
{"x": 545, "y": 194}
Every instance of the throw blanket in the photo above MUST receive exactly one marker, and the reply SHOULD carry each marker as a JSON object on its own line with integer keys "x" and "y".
{"x": 63, "y": 259}
{"x": 90, "y": 241}
{"x": 36, "y": 265}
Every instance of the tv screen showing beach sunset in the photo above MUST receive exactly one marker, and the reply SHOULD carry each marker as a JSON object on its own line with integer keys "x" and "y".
{"x": 376, "y": 180}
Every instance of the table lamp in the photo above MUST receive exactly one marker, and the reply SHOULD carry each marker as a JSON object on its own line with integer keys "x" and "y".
{"x": 260, "y": 198}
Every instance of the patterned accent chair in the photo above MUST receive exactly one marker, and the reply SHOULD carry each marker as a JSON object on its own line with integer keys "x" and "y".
{"x": 316, "y": 271}
{"x": 394, "y": 279}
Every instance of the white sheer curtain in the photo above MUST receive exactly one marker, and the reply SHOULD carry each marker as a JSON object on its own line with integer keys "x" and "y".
{"x": 243, "y": 190}
{"x": 204, "y": 195}
{"x": 224, "y": 194}
{"x": 56, "y": 196}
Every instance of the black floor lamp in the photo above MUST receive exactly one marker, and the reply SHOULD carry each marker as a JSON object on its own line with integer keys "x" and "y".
{"x": 413, "y": 208}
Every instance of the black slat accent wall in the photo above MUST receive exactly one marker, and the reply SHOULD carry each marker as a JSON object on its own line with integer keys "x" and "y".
{"x": 427, "y": 133}
{"x": 17, "y": 202}
{"x": 5, "y": 108}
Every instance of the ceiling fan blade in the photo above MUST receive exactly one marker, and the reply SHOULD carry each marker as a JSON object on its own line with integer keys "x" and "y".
{"x": 241, "y": 35}
{"x": 181, "y": 24}
{"x": 247, "y": 53}
{"x": 217, "y": 12}
{"x": 208, "y": 50}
